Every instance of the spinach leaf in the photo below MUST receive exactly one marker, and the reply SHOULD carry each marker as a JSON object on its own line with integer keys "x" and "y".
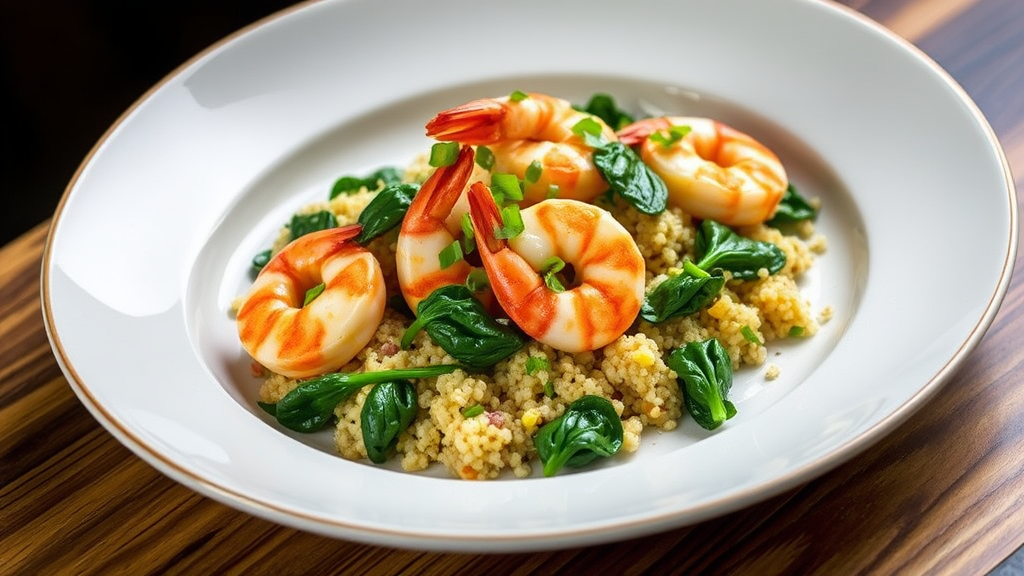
{"x": 389, "y": 408}
{"x": 459, "y": 323}
{"x": 386, "y": 210}
{"x": 311, "y": 404}
{"x": 589, "y": 429}
{"x": 792, "y": 208}
{"x": 682, "y": 294}
{"x": 603, "y": 106}
{"x": 704, "y": 373}
{"x": 719, "y": 247}
{"x": 303, "y": 224}
{"x": 351, "y": 184}
{"x": 624, "y": 170}
{"x": 260, "y": 260}
{"x": 627, "y": 175}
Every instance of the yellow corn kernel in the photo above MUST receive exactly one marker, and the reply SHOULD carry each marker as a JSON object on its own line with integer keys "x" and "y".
{"x": 643, "y": 357}
{"x": 719, "y": 309}
{"x": 530, "y": 419}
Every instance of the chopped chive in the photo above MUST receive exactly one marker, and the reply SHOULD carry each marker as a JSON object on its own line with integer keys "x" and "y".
{"x": 512, "y": 223}
{"x": 477, "y": 280}
{"x": 451, "y": 254}
{"x": 533, "y": 172}
{"x": 669, "y": 137}
{"x": 444, "y": 154}
{"x": 749, "y": 335}
{"x": 506, "y": 186}
{"x": 552, "y": 191}
{"x": 484, "y": 157}
{"x": 550, "y": 269}
{"x": 467, "y": 225}
{"x": 549, "y": 389}
{"x": 518, "y": 96}
{"x": 535, "y": 363}
{"x": 468, "y": 237}
{"x": 796, "y": 331}
{"x": 313, "y": 292}
{"x": 591, "y": 132}
{"x": 473, "y": 411}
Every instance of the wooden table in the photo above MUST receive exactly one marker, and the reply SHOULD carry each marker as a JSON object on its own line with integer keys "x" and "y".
{"x": 942, "y": 494}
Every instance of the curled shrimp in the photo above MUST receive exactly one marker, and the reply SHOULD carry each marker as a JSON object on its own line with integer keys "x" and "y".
{"x": 714, "y": 171}
{"x": 522, "y": 131}
{"x": 432, "y": 223}
{"x": 604, "y": 297}
{"x": 297, "y": 339}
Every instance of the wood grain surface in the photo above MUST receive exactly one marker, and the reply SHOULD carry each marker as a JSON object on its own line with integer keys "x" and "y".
{"x": 943, "y": 494}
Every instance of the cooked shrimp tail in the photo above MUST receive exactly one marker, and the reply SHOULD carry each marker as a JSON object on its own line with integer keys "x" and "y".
{"x": 477, "y": 122}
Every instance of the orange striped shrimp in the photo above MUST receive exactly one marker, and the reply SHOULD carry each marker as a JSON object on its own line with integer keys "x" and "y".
{"x": 432, "y": 223}
{"x": 603, "y": 299}
{"x": 297, "y": 339}
{"x": 714, "y": 171}
{"x": 521, "y": 131}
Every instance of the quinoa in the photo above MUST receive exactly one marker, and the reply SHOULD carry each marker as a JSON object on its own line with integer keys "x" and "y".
{"x": 536, "y": 384}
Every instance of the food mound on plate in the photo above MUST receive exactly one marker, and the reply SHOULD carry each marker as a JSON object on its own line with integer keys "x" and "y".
{"x": 543, "y": 285}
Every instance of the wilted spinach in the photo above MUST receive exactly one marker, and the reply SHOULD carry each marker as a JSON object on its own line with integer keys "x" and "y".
{"x": 718, "y": 246}
{"x": 683, "y": 294}
{"x": 704, "y": 373}
{"x": 792, "y": 208}
{"x": 389, "y": 408}
{"x": 626, "y": 173}
{"x": 386, "y": 210}
{"x": 458, "y": 322}
{"x": 302, "y": 224}
{"x": 589, "y": 429}
{"x": 351, "y": 184}
{"x": 311, "y": 404}
{"x": 604, "y": 107}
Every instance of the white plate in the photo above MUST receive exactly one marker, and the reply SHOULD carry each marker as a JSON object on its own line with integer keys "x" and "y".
{"x": 152, "y": 240}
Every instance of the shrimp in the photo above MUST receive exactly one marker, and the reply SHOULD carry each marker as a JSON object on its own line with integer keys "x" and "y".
{"x": 519, "y": 132}
{"x": 432, "y": 223}
{"x": 299, "y": 340}
{"x": 714, "y": 172}
{"x": 603, "y": 299}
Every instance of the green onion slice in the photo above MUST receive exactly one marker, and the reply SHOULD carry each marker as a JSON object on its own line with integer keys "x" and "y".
{"x": 313, "y": 292}
{"x": 444, "y": 154}
{"x": 450, "y": 254}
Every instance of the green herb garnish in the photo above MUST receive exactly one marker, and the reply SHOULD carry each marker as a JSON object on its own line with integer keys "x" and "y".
{"x": 443, "y": 154}
{"x": 313, "y": 292}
